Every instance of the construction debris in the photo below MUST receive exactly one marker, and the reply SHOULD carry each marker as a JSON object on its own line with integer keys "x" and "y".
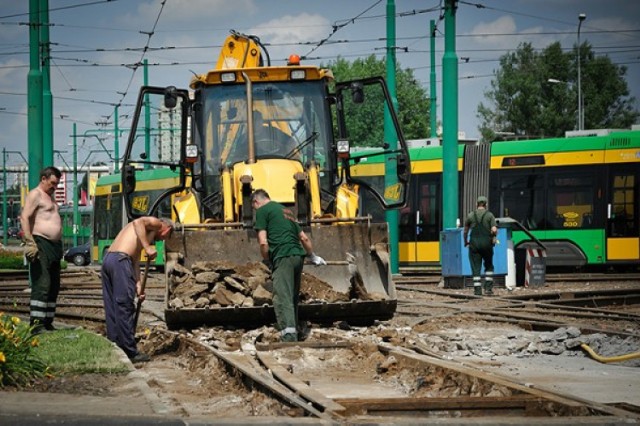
{"x": 220, "y": 284}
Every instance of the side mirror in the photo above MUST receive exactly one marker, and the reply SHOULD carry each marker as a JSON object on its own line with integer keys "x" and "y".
{"x": 170, "y": 97}
{"x": 357, "y": 93}
{"x": 401, "y": 168}
{"x": 129, "y": 179}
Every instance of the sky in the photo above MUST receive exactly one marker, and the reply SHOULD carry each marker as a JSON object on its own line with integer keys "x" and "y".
{"x": 96, "y": 44}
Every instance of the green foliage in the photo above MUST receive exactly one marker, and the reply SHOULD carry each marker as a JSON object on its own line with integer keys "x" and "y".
{"x": 11, "y": 259}
{"x": 79, "y": 351}
{"x": 19, "y": 363}
{"x": 413, "y": 102}
{"x": 523, "y": 101}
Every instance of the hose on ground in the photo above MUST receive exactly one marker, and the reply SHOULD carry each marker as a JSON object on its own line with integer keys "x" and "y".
{"x": 606, "y": 360}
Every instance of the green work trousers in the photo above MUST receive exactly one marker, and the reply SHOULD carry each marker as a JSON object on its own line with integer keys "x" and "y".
{"x": 45, "y": 278}
{"x": 287, "y": 274}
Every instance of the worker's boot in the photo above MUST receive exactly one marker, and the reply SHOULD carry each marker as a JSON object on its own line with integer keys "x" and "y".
{"x": 488, "y": 288}
{"x": 477, "y": 286}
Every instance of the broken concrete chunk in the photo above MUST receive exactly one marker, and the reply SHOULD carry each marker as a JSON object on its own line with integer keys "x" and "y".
{"x": 208, "y": 277}
{"x": 235, "y": 285}
{"x": 261, "y": 296}
{"x": 176, "y": 303}
{"x": 202, "y": 302}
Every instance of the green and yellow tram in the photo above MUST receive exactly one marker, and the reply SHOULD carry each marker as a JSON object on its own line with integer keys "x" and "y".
{"x": 83, "y": 231}
{"x": 579, "y": 195}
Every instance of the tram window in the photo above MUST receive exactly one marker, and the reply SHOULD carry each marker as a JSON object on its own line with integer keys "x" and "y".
{"x": 522, "y": 198}
{"x": 623, "y": 220}
{"x": 571, "y": 201}
{"x": 428, "y": 202}
{"x": 369, "y": 205}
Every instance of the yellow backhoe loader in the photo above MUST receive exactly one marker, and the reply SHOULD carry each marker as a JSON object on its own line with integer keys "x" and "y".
{"x": 294, "y": 132}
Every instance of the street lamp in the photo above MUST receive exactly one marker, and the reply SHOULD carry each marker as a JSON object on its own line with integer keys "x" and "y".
{"x": 581, "y": 18}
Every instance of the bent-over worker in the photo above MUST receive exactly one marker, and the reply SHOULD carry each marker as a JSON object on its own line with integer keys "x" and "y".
{"x": 121, "y": 279}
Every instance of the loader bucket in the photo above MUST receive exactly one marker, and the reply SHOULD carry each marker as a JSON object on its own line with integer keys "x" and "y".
{"x": 366, "y": 242}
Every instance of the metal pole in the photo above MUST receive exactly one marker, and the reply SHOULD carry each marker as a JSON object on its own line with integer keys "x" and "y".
{"x": 116, "y": 143}
{"x": 4, "y": 197}
{"x": 390, "y": 136}
{"x": 581, "y": 18}
{"x": 34, "y": 97}
{"x": 76, "y": 216}
{"x": 147, "y": 116}
{"x": 450, "y": 118}
{"x": 432, "y": 82}
{"x": 47, "y": 97}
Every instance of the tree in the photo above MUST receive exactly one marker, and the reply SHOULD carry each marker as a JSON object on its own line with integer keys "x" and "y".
{"x": 524, "y": 102}
{"x": 413, "y": 102}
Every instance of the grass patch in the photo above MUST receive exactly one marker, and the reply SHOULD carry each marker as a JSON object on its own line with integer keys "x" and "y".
{"x": 78, "y": 351}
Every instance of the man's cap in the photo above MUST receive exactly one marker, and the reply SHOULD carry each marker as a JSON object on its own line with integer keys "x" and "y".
{"x": 482, "y": 199}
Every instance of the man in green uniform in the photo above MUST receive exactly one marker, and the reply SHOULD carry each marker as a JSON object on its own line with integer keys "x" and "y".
{"x": 483, "y": 233}
{"x": 284, "y": 245}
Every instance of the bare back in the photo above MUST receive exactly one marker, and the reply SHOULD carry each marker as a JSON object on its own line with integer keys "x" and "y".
{"x": 128, "y": 242}
{"x": 42, "y": 215}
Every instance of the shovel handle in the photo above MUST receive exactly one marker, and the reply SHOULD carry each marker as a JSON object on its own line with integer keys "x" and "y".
{"x": 143, "y": 284}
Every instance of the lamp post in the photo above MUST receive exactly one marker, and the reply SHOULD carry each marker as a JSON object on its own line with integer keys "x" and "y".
{"x": 581, "y": 18}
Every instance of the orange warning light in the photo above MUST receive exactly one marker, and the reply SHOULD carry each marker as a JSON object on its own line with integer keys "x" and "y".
{"x": 293, "y": 60}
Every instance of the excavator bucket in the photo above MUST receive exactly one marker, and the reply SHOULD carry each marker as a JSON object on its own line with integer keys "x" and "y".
{"x": 358, "y": 268}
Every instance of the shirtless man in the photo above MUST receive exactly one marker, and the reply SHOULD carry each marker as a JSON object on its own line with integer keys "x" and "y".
{"x": 121, "y": 279}
{"x": 43, "y": 248}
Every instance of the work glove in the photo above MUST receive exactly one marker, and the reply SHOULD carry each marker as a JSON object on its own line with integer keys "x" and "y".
{"x": 267, "y": 263}
{"x": 316, "y": 260}
{"x": 30, "y": 249}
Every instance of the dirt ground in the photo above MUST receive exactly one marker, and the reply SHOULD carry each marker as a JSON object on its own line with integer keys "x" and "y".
{"x": 192, "y": 382}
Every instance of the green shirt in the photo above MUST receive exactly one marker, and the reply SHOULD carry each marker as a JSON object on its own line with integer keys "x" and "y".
{"x": 282, "y": 230}
{"x": 480, "y": 221}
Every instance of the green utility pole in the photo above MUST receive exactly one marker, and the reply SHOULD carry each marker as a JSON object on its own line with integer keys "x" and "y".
{"x": 116, "y": 148}
{"x": 4, "y": 197}
{"x": 47, "y": 97}
{"x": 450, "y": 118}
{"x": 34, "y": 96}
{"x": 432, "y": 83}
{"x": 147, "y": 115}
{"x": 76, "y": 216}
{"x": 390, "y": 135}
{"x": 4, "y": 191}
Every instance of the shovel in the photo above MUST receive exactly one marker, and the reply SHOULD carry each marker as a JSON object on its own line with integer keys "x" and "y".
{"x": 142, "y": 286}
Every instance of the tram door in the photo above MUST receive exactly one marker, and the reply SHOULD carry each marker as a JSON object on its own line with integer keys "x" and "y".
{"x": 623, "y": 233}
{"x": 420, "y": 222}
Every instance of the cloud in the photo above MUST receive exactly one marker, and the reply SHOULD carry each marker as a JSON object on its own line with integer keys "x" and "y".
{"x": 11, "y": 71}
{"x": 290, "y": 29}
{"x": 186, "y": 11}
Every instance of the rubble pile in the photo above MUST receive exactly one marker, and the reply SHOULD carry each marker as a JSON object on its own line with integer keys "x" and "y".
{"x": 220, "y": 284}
{"x": 523, "y": 344}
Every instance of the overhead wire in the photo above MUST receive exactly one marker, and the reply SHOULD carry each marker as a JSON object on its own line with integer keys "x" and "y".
{"x": 317, "y": 44}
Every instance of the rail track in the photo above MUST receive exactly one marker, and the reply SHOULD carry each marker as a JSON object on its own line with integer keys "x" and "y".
{"x": 336, "y": 374}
